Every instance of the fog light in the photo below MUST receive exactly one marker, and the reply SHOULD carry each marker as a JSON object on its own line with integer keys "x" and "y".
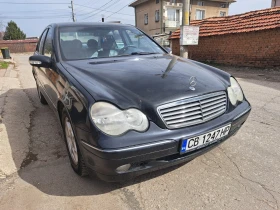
{"x": 123, "y": 168}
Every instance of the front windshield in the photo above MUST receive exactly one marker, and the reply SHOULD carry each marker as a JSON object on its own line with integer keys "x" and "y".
{"x": 89, "y": 42}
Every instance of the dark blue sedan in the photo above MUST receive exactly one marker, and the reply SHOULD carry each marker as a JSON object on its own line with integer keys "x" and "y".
{"x": 126, "y": 106}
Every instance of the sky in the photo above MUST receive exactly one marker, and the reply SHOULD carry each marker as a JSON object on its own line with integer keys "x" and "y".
{"x": 33, "y": 18}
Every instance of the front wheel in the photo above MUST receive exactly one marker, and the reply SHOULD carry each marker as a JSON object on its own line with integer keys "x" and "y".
{"x": 75, "y": 156}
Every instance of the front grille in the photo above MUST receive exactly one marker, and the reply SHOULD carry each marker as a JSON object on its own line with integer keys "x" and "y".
{"x": 193, "y": 111}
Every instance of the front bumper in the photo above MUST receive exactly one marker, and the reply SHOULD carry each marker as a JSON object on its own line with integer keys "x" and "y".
{"x": 153, "y": 156}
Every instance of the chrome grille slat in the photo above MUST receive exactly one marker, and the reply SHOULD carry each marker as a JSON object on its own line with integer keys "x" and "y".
{"x": 212, "y": 111}
{"x": 179, "y": 125}
{"x": 189, "y": 109}
{"x": 180, "y": 107}
{"x": 182, "y": 115}
{"x": 194, "y": 110}
{"x": 183, "y": 111}
{"x": 213, "y": 103}
{"x": 211, "y": 117}
{"x": 183, "y": 120}
{"x": 212, "y": 99}
{"x": 212, "y": 107}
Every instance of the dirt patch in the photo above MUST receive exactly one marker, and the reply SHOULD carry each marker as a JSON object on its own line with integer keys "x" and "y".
{"x": 269, "y": 74}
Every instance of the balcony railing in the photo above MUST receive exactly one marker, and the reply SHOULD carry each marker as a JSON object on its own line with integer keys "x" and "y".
{"x": 173, "y": 4}
{"x": 172, "y": 24}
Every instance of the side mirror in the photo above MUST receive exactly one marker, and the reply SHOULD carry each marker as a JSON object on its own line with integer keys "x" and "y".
{"x": 40, "y": 61}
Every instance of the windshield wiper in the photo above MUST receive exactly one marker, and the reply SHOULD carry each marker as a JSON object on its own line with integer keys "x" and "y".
{"x": 143, "y": 53}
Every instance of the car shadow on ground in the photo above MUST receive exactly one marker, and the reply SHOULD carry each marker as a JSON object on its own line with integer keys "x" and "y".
{"x": 45, "y": 163}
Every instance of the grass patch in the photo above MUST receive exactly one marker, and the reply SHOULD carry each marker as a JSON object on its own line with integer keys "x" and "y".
{"x": 3, "y": 65}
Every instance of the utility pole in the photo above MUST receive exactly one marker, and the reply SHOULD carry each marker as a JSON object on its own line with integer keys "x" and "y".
{"x": 73, "y": 14}
{"x": 185, "y": 22}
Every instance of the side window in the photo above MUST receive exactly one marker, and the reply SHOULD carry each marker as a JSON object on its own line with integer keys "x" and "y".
{"x": 48, "y": 47}
{"x": 41, "y": 42}
{"x": 134, "y": 40}
{"x": 140, "y": 41}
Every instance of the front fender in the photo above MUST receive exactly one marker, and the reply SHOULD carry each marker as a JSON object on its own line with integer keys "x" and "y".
{"x": 75, "y": 99}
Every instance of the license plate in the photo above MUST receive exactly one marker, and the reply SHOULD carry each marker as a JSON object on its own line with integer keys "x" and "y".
{"x": 204, "y": 139}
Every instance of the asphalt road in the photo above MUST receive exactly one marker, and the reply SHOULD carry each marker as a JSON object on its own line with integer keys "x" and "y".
{"x": 242, "y": 173}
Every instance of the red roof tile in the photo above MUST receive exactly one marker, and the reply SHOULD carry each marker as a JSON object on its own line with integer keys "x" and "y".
{"x": 247, "y": 22}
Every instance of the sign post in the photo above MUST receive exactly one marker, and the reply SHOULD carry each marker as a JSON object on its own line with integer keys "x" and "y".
{"x": 185, "y": 22}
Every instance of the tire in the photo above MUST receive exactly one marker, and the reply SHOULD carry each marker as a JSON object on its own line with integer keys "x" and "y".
{"x": 41, "y": 97}
{"x": 74, "y": 152}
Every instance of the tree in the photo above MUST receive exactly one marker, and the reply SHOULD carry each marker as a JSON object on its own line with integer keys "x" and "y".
{"x": 13, "y": 32}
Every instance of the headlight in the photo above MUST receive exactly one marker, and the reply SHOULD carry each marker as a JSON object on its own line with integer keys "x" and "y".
{"x": 235, "y": 92}
{"x": 114, "y": 121}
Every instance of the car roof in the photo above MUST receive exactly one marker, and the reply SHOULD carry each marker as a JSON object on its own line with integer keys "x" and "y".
{"x": 65, "y": 24}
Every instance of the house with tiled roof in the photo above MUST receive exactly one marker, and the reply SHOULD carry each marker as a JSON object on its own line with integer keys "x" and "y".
{"x": 164, "y": 16}
{"x": 275, "y": 3}
{"x": 249, "y": 39}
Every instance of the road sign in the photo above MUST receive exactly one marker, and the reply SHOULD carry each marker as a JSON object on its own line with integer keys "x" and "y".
{"x": 189, "y": 35}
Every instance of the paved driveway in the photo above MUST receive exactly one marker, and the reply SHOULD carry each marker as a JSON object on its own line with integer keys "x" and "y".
{"x": 242, "y": 173}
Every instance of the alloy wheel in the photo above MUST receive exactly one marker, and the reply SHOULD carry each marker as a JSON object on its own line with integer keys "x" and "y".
{"x": 71, "y": 142}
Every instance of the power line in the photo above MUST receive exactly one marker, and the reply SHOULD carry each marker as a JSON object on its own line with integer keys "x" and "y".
{"x": 104, "y": 8}
{"x": 29, "y": 11}
{"x": 84, "y": 9}
{"x": 5, "y": 2}
{"x": 38, "y": 11}
{"x": 100, "y": 10}
{"x": 35, "y": 18}
{"x": 95, "y": 9}
{"x": 118, "y": 11}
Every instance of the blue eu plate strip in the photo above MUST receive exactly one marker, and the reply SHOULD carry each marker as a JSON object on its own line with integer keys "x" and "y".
{"x": 184, "y": 145}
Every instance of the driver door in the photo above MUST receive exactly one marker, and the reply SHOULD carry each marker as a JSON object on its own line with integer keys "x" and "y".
{"x": 50, "y": 74}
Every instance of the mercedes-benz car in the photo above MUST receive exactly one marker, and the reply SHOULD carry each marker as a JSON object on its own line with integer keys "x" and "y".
{"x": 128, "y": 107}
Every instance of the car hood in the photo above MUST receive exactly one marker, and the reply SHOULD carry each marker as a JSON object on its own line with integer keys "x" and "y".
{"x": 144, "y": 81}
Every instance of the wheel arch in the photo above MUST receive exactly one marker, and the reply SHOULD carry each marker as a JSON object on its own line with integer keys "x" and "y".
{"x": 60, "y": 107}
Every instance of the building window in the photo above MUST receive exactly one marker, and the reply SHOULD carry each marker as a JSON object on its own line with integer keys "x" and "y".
{"x": 157, "y": 1}
{"x": 200, "y": 14}
{"x": 173, "y": 14}
{"x": 146, "y": 19}
{"x": 223, "y": 14}
{"x": 223, "y": 5}
{"x": 172, "y": 1}
{"x": 200, "y": 3}
{"x": 157, "y": 16}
